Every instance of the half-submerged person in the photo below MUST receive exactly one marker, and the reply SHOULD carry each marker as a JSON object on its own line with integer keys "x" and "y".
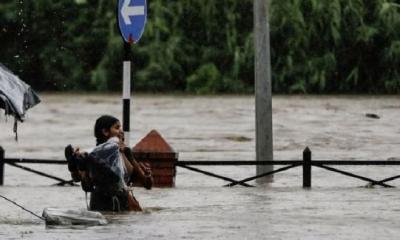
{"x": 109, "y": 169}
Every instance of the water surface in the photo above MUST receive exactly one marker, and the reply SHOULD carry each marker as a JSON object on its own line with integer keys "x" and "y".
{"x": 216, "y": 128}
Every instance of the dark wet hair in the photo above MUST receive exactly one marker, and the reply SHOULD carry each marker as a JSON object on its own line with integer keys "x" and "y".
{"x": 103, "y": 122}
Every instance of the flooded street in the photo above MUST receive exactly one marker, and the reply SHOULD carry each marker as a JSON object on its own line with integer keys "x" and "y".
{"x": 216, "y": 128}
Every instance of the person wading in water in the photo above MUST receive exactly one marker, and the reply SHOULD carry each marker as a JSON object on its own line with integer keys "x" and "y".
{"x": 108, "y": 170}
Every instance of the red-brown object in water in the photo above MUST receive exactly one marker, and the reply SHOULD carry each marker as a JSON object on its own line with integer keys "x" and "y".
{"x": 154, "y": 150}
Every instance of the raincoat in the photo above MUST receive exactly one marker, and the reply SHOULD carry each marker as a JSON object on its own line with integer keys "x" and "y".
{"x": 109, "y": 177}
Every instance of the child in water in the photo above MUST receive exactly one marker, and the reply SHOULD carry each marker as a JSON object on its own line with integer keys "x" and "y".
{"x": 109, "y": 169}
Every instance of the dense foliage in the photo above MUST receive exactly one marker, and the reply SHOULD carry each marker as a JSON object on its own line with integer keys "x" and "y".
{"x": 205, "y": 46}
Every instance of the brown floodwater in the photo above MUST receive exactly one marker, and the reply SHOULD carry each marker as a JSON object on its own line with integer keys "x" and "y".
{"x": 216, "y": 128}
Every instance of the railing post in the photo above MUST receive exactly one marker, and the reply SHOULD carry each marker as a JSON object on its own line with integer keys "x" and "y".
{"x": 1, "y": 166}
{"x": 306, "y": 168}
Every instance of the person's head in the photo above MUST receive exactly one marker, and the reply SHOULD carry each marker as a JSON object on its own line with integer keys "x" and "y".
{"x": 107, "y": 127}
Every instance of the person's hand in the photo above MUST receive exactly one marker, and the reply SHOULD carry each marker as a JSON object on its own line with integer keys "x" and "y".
{"x": 148, "y": 179}
{"x": 121, "y": 142}
{"x": 122, "y": 146}
{"x": 76, "y": 152}
{"x": 146, "y": 168}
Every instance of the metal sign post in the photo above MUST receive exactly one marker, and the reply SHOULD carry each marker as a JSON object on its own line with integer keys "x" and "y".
{"x": 132, "y": 17}
{"x": 126, "y": 92}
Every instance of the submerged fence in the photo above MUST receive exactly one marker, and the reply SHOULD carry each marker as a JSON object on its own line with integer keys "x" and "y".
{"x": 307, "y": 163}
{"x": 16, "y": 161}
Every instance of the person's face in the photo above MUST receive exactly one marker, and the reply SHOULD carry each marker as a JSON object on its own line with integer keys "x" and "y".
{"x": 114, "y": 131}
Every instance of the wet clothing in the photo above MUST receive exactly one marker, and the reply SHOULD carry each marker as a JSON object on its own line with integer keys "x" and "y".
{"x": 123, "y": 201}
{"x": 108, "y": 177}
{"x": 106, "y": 166}
{"x": 103, "y": 173}
{"x": 103, "y": 201}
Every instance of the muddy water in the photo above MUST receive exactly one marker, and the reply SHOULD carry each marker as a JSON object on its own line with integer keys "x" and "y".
{"x": 217, "y": 128}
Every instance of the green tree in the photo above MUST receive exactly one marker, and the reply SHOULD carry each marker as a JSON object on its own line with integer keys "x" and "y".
{"x": 205, "y": 46}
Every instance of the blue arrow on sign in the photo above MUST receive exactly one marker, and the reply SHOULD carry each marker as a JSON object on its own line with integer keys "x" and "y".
{"x": 132, "y": 16}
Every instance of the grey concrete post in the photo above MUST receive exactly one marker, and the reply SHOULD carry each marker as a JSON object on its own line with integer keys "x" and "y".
{"x": 264, "y": 141}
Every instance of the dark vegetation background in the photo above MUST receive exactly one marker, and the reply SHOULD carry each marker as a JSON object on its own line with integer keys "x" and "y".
{"x": 205, "y": 46}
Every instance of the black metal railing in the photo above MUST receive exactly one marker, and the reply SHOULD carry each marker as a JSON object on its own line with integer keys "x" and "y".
{"x": 15, "y": 162}
{"x": 307, "y": 163}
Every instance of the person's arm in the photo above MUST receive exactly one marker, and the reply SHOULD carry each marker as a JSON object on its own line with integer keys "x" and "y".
{"x": 144, "y": 174}
{"x": 133, "y": 167}
{"x": 128, "y": 165}
{"x": 140, "y": 170}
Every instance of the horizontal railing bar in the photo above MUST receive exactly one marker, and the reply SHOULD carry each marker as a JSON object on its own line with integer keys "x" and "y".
{"x": 354, "y": 162}
{"x": 40, "y": 161}
{"x": 284, "y": 162}
{"x": 226, "y": 163}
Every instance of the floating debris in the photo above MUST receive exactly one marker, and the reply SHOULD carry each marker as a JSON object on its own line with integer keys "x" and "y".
{"x": 238, "y": 138}
{"x": 58, "y": 216}
{"x": 372, "y": 115}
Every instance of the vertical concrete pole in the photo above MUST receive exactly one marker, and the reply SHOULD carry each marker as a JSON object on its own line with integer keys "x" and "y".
{"x": 264, "y": 141}
{"x": 2, "y": 160}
